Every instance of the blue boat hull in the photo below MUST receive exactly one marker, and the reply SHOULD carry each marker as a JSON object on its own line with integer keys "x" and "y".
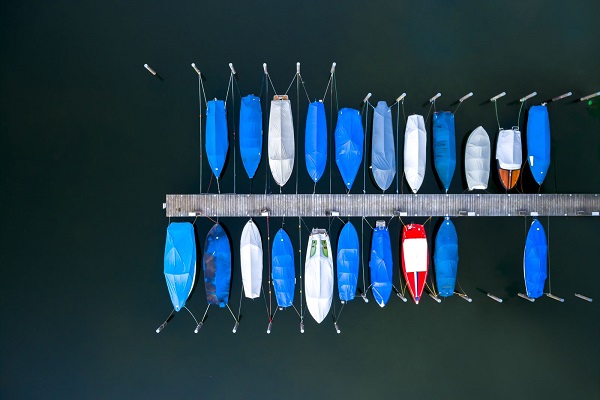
{"x": 349, "y": 142}
{"x": 445, "y": 258}
{"x": 315, "y": 140}
{"x": 251, "y": 136}
{"x": 348, "y": 259}
{"x": 444, "y": 146}
{"x": 535, "y": 260}
{"x": 180, "y": 262}
{"x": 216, "y": 264}
{"x": 538, "y": 142}
{"x": 283, "y": 274}
{"x": 217, "y": 140}
{"x": 381, "y": 265}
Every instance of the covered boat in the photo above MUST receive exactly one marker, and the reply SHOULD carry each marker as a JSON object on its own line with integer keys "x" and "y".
{"x": 415, "y": 259}
{"x": 509, "y": 155}
{"x": 444, "y": 146}
{"x": 415, "y": 151}
{"x": 535, "y": 260}
{"x": 283, "y": 274}
{"x": 383, "y": 153}
{"x": 315, "y": 140}
{"x": 180, "y": 262}
{"x": 217, "y": 139}
{"x": 538, "y": 142}
{"x": 217, "y": 266}
{"x": 318, "y": 275}
{"x": 281, "y": 140}
{"x": 349, "y": 142}
{"x": 477, "y": 159}
{"x": 251, "y": 260}
{"x": 347, "y": 262}
{"x": 445, "y": 258}
{"x": 381, "y": 264}
{"x": 251, "y": 135}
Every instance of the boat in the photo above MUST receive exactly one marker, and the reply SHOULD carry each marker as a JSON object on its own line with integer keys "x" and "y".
{"x": 445, "y": 258}
{"x": 217, "y": 136}
{"x": 349, "y": 141}
{"x": 535, "y": 260}
{"x": 381, "y": 264}
{"x": 251, "y": 260}
{"x": 477, "y": 159}
{"x": 415, "y": 259}
{"x": 318, "y": 275}
{"x": 347, "y": 262}
{"x": 383, "y": 153}
{"x": 538, "y": 142}
{"x": 415, "y": 151}
{"x": 509, "y": 156}
{"x": 180, "y": 262}
{"x": 315, "y": 140}
{"x": 281, "y": 140}
{"x": 444, "y": 146}
{"x": 251, "y": 135}
{"x": 216, "y": 264}
{"x": 283, "y": 273}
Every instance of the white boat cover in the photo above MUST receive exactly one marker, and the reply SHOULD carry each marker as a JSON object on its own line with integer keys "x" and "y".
{"x": 318, "y": 273}
{"x": 415, "y": 255}
{"x": 508, "y": 150}
{"x": 477, "y": 159}
{"x": 415, "y": 151}
{"x": 281, "y": 141}
{"x": 251, "y": 258}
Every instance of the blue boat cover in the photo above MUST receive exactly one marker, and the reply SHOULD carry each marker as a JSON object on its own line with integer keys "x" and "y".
{"x": 445, "y": 258}
{"x": 217, "y": 140}
{"x": 348, "y": 258}
{"x": 444, "y": 146}
{"x": 217, "y": 266}
{"x": 251, "y": 136}
{"x": 349, "y": 142}
{"x": 381, "y": 265}
{"x": 535, "y": 260}
{"x": 284, "y": 275}
{"x": 315, "y": 140}
{"x": 180, "y": 262}
{"x": 538, "y": 142}
{"x": 383, "y": 152}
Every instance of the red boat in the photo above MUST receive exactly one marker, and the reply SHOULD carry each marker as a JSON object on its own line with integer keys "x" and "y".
{"x": 415, "y": 259}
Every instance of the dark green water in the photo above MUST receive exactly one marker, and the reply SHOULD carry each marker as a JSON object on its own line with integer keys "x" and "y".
{"x": 90, "y": 143}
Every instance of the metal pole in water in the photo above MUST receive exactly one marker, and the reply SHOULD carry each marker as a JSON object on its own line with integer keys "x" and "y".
{"x": 337, "y": 328}
{"x": 234, "y": 330}
{"x": 301, "y": 326}
{"x": 466, "y": 96}
{"x": 434, "y": 297}
{"x": 496, "y": 97}
{"x": 553, "y": 297}
{"x": 522, "y": 99}
{"x": 153, "y": 72}
{"x": 591, "y": 96}
{"x": 524, "y": 296}
{"x": 582, "y": 297}
{"x": 431, "y": 100}
{"x": 562, "y": 96}
{"x": 465, "y": 297}
{"x": 491, "y": 296}
{"x": 364, "y": 297}
{"x": 269, "y": 327}
{"x": 401, "y": 297}
{"x": 198, "y": 327}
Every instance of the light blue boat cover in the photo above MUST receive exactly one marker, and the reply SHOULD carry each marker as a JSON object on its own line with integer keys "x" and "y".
{"x": 315, "y": 140}
{"x": 538, "y": 142}
{"x": 347, "y": 262}
{"x": 381, "y": 265}
{"x": 251, "y": 136}
{"x": 535, "y": 260}
{"x": 383, "y": 152}
{"x": 180, "y": 262}
{"x": 284, "y": 275}
{"x": 444, "y": 146}
{"x": 349, "y": 141}
{"x": 217, "y": 140}
{"x": 445, "y": 258}
{"x": 217, "y": 266}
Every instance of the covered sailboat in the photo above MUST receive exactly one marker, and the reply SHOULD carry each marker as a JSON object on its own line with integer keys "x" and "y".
{"x": 251, "y": 135}
{"x": 216, "y": 264}
{"x": 509, "y": 155}
{"x": 381, "y": 264}
{"x": 415, "y": 259}
{"x": 349, "y": 141}
{"x": 535, "y": 260}
{"x": 347, "y": 262}
{"x": 538, "y": 142}
{"x": 217, "y": 140}
{"x": 318, "y": 274}
{"x": 415, "y": 151}
{"x": 444, "y": 146}
{"x": 251, "y": 260}
{"x": 315, "y": 140}
{"x": 180, "y": 262}
{"x": 477, "y": 159}
{"x": 283, "y": 274}
{"x": 445, "y": 258}
{"x": 281, "y": 140}
{"x": 383, "y": 153}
